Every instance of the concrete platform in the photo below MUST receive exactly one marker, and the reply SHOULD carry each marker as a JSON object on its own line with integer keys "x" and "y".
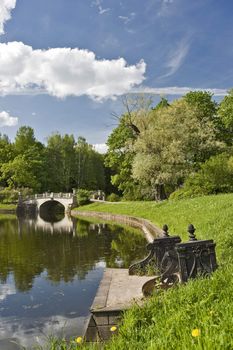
{"x": 116, "y": 293}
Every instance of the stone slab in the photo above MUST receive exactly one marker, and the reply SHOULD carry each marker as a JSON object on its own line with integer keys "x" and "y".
{"x": 118, "y": 290}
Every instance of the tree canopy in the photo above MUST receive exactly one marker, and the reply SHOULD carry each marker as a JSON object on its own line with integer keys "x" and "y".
{"x": 174, "y": 139}
{"x": 59, "y": 166}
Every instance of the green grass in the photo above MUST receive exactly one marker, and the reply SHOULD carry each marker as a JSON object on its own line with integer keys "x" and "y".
{"x": 167, "y": 319}
{"x": 211, "y": 215}
{"x": 5, "y": 207}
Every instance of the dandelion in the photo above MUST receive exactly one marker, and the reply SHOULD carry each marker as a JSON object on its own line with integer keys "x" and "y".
{"x": 196, "y": 332}
{"x": 113, "y": 328}
{"x": 79, "y": 340}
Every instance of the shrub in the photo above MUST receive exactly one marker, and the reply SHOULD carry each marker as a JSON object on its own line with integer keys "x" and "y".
{"x": 113, "y": 197}
{"x": 215, "y": 176}
{"x": 83, "y": 197}
{"x": 10, "y": 195}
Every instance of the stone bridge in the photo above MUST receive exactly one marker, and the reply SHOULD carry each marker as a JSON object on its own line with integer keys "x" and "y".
{"x": 68, "y": 200}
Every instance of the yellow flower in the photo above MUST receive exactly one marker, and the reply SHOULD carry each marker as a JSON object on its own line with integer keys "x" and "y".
{"x": 196, "y": 332}
{"x": 113, "y": 328}
{"x": 79, "y": 340}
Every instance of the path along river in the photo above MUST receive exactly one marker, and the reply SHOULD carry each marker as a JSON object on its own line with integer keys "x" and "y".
{"x": 50, "y": 271}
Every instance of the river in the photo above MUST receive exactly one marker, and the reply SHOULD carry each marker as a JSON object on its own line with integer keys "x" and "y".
{"x": 50, "y": 270}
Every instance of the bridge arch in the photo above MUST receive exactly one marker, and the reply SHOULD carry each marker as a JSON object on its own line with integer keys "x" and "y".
{"x": 51, "y": 209}
{"x": 67, "y": 200}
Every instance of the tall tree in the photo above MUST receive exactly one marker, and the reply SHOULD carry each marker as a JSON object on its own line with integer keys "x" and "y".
{"x": 6, "y": 154}
{"x": 25, "y": 167}
{"x": 174, "y": 143}
{"x": 89, "y": 167}
{"x": 24, "y": 139}
{"x": 59, "y": 168}
{"x": 225, "y": 112}
{"x": 206, "y": 108}
{"x": 120, "y": 153}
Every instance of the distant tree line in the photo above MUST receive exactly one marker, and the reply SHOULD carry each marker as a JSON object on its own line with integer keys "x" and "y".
{"x": 183, "y": 148}
{"x": 178, "y": 149}
{"x": 61, "y": 165}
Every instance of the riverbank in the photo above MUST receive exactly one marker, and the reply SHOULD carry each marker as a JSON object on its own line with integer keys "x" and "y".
{"x": 7, "y": 208}
{"x": 197, "y": 315}
{"x": 150, "y": 230}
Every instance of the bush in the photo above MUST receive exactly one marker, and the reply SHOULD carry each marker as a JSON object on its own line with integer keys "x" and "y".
{"x": 83, "y": 197}
{"x": 113, "y": 197}
{"x": 10, "y": 195}
{"x": 215, "y": 176}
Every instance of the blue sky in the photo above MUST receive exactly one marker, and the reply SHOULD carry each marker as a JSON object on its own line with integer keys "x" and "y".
{"x": 64, "y": 64}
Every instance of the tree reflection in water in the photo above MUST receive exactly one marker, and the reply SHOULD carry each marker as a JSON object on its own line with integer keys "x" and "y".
{"x": 28, "y": 247}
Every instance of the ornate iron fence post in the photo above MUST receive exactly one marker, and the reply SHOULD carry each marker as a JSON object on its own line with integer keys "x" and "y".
{"x": 162, "y": 251}
{"x": 196, "y": 257}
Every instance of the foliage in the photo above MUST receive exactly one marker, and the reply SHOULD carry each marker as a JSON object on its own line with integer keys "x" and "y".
{"x": 153, "y": 149}
{"x": 24, "y": 139}
{"x": 215, "y": 176}
{"x": 168, "y": 319}
{"x": 83, "y": 196}
{"x": 225, "y": 112}
{"x": 174, "y": 143}
{"x": 202, "y": 101}
{"x": 8, "y": 196}
{"x": 162, "y": 103}
{"x": 89, "y": 171}
{"x": 61, "y": 166}
{"x": 6, "y": 154}
{"x": 20, "y": 173}
{"x": 60, "y": 162}
{"x": 120, "y": 153}
{"x": 113, "y": 197}
{"x": 119, "y": 156}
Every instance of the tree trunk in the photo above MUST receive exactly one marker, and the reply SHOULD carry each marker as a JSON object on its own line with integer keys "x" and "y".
{"x": 160, "y": 193}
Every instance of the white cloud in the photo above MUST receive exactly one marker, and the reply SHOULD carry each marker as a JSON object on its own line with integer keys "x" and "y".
{"x": 175, "y": 90}
{"x": 166, "y": 8}
{"x": 6, "y": 289}
{"x": 5, "y": 12}
{"x": 101, "y": 147}
{"x": 177, "y": 57}
{"x": 98, "y": 4}
{"x": 30, "y": 332}
{"x": 63, "y": 72}
{"x": 7, "y": 120}
{"x": 127, "y": 19}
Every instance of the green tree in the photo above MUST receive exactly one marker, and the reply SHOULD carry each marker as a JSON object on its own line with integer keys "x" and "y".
{"x": 24, "y": 139}
{"x": 215, "y": 176}
{"x": 6, "y": 154}
{"x": 163, "y": 103}
{"x": 20, "y": 173}
{"x": 120, "y": 153}
{"x": 206, "y": 108}
{"x": 225, "y": 112}
{"x": 89, "y": 167}
{"x": 60, "y": 157}
{"x": 22, "y": 162}
{"x": 173, "y": 144}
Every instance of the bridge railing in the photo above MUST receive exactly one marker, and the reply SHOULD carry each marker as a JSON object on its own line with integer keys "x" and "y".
{"x": 53, "y": 195}
{"x": 48, "y": 195}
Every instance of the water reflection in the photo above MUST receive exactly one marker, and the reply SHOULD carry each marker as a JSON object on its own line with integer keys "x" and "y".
{"x": 65, "y": 224}
{"x": 50, "y": 271}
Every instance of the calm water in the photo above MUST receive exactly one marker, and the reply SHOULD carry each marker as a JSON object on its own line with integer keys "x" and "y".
{"x": 50, "y": 271}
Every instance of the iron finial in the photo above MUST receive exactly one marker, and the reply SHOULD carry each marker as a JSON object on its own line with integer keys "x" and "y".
{"x": 165, "y": 230}
{"x": 191, "y": 230}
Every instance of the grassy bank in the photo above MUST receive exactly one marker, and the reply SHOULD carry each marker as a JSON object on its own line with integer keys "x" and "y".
{"x": 211, "y": 215}
{"x": 7, "y": 208}
{"x": 205, "y": 305}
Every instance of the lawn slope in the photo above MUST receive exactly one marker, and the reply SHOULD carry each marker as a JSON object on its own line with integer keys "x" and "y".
{"x": 205, "y": 305}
